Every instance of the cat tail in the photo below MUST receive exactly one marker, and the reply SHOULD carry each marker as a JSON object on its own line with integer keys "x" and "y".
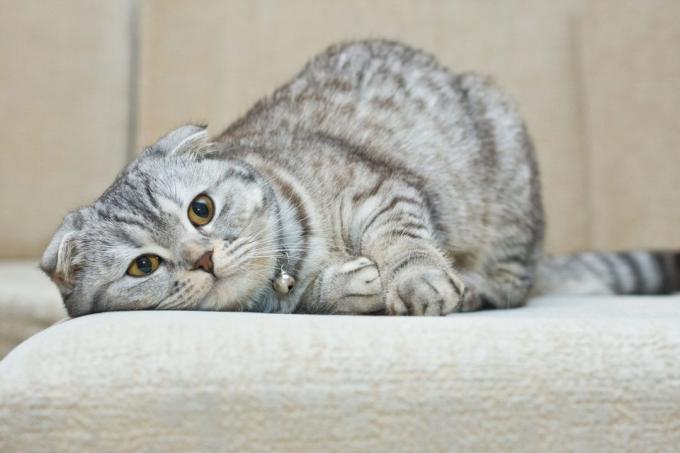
{"x": 601, "y": 273}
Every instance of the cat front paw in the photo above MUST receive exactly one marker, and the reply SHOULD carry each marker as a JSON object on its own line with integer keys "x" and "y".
{"x": 424, "y": 290}
{"x": 352, "y": 287}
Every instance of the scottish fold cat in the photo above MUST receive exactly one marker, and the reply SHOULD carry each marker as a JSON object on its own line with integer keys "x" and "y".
{"x": 374, "y": 182}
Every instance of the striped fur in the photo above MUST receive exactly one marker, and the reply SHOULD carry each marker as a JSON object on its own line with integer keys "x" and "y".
{"x": 382, "y": 182}
{"x": 633, "y": 272}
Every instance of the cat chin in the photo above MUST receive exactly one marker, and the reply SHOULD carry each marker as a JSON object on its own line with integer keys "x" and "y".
{"x": 227, "y": 294}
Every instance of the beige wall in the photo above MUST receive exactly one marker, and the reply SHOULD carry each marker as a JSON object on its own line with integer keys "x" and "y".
{"x": 64, "y": 105}
{"x": 631, "y": 70}
{"x": 598, "y": 82}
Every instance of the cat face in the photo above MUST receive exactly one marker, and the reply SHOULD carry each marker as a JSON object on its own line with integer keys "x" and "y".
{"x": 179, "y": 229}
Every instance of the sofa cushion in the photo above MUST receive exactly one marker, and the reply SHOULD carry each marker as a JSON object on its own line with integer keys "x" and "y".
{"x": 29, "y": 302}
{"x": 584, "y": 374}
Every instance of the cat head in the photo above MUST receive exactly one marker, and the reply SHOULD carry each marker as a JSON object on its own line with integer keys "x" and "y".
{"x": 180, "y": 228}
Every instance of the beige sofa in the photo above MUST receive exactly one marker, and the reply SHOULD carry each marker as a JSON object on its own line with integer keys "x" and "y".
{"x": 561, "y": 375}
{"x": 83, "y": 85}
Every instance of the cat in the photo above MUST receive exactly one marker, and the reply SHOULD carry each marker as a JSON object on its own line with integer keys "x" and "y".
{"x": 375, "y": 182}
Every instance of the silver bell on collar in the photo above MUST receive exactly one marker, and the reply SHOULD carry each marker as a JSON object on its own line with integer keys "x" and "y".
{"x": 283, "y": 283}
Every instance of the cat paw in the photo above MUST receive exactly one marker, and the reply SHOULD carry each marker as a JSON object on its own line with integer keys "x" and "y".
{"x": 353, "y": 287}
{"x": 471, "y": 301}
{"x": 428, "y": 291}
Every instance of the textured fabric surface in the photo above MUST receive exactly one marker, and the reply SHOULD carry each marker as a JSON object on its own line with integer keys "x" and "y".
{"x": 29, "y": 302}
{"x": 564, "y": 374}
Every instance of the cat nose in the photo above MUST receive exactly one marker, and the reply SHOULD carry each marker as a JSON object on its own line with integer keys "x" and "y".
{"x": 205, "y": 263}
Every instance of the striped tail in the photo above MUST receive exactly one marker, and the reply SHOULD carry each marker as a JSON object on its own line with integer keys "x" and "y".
{"x": 593, "y": 273}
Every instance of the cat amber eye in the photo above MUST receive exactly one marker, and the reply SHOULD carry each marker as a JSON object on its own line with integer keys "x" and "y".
{"x": 201, "y": 210}
{"x": 143, "y": 265}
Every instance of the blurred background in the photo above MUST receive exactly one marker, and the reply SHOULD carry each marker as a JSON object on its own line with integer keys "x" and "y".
{"x": 85, "y": 84}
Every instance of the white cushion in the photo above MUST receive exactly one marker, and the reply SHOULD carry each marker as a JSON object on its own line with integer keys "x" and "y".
{"x": 584, "y": 374}
{"x": 29, "y": 302}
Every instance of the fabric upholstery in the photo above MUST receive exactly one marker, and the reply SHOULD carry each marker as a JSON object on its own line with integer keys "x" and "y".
{"x": 563, "y": 374}
{"x": 29, "y": 302}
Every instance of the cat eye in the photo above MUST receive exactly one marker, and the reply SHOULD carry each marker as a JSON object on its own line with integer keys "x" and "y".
{"x": 144, "y": 265}
{"x": 201, "y": 210}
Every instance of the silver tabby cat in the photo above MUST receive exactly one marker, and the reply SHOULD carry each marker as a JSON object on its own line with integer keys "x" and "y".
{"x": 376, "y": 181}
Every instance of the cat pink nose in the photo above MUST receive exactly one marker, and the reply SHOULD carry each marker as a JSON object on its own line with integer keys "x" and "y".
{"x": 205, "y": 263}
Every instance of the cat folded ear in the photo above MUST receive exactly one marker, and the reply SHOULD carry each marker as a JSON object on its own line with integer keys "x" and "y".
{"x": 58, "y": 260}
{"x": 188, "y": 138}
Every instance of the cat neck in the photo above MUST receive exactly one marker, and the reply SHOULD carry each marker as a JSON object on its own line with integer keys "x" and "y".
{"x": 293, "y": 225}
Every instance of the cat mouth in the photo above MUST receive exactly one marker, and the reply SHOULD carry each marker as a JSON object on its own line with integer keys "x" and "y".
{"x": 219, "y": 298}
